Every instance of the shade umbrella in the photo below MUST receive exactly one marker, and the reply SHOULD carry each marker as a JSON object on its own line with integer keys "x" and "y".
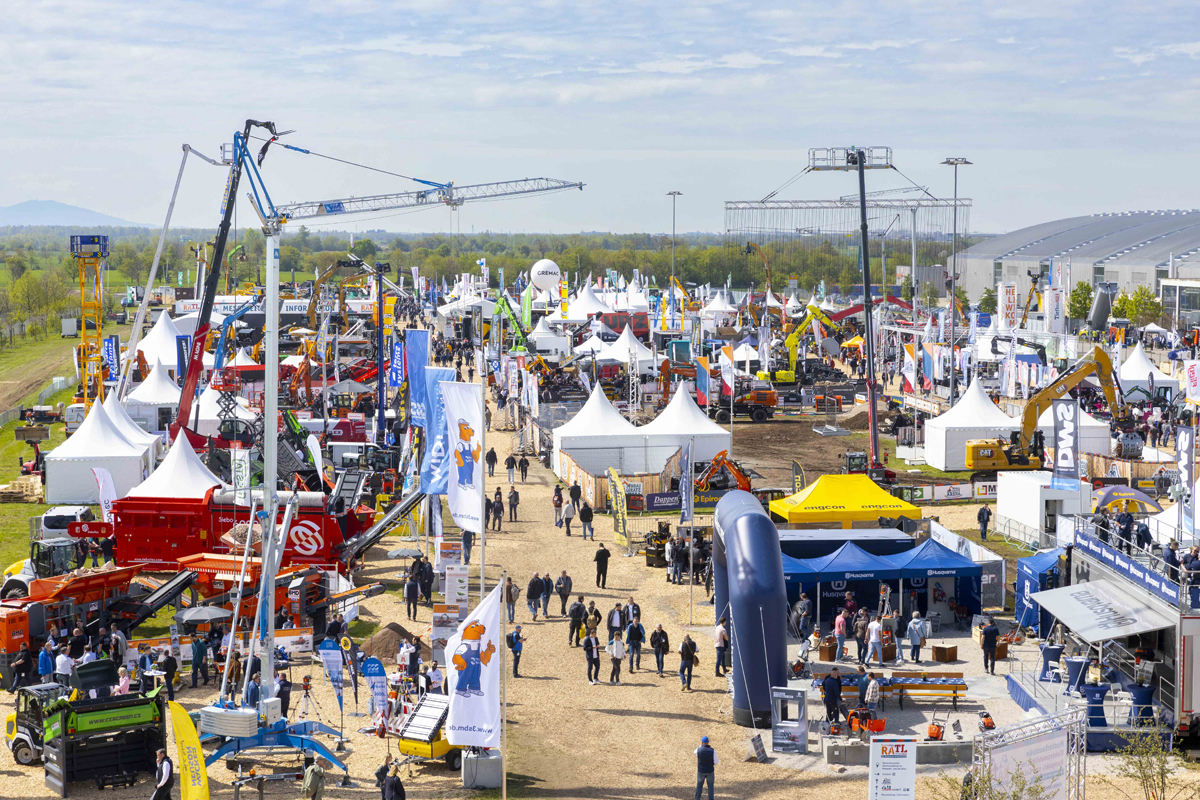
{"x": 202, "y": 615}
{"x": 403, "y": 552}
{"x": 1119, "y": 494}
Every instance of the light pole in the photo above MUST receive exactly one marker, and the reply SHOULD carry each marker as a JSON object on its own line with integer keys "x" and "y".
{"x": 671, "y": 287}
{"x": 956, "y": 163}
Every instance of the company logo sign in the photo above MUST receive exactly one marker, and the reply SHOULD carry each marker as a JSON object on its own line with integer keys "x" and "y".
{"x": 306, "y": 538}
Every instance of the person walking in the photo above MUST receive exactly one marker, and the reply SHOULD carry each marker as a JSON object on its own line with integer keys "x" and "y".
{"x": 516, "y": 643}
{"x": 575, "y": 493}
{"x": 497, "y": 511}
{"x": 164, "y": 776}
{"x": 562, "y": 587}
{"x": 915, "y": 635}
{"x": 983, "y": 517}
{"x": 706, "y": 763}
{"x": 804, "y": 611}
{"x": 468, "y": 541}
{"x": 721, "y": 642}
{"x": 490, "y": 459}
{"x": 575, "y": 613}
{"x": 616, "y": 651}
{"x": 832, "y": 687}
{"x": 533, "y": 594}
{"x": 393, "y": 787}
{"x": 22, "y": 666}
{"x": 547, "y": 590}
{"x": 875, "y": 641}
{"x": 989, "y": 636}
{"x": 872, "y": 696}
{"x": 512, "y": 593}
{"x": 557, "y": 502}
{"x": 46, "y": 663}
{"x": 585, "y": 519}
{"x": 862, "y": 623}
{"x": 514, "y": 500}
{"x": 635, "y": 634}
{"x": 314, "y": 781}
{"x": 862, "y": 680}
{"x": 632, "y": 610}
{"x": 601, "y": 559}
{"x": 687, "y": 660}
{"x": 412, "y": 594}
{"x": 523, "y": 465}
{"x": 510, "y": 464}
{"x": 568, "y": 514}
{"x": 592, "y": 618}
{"x": 661, "y": 644}
{"x": 591, "y": 651}
{"x": 616, "y": 620}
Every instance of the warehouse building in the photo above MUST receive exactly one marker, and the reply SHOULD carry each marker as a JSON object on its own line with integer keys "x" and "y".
{"x": 1133, "y": 248}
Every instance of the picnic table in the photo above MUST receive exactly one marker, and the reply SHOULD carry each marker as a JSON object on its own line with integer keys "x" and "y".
{"x": 929, "y": 687}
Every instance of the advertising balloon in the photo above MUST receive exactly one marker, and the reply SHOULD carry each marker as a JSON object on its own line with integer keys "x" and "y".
{"x": 545, "y": 274}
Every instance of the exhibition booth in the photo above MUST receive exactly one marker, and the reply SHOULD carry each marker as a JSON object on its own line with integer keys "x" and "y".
{"x": 847, "y": 501}
{"x": 974, "y": 416}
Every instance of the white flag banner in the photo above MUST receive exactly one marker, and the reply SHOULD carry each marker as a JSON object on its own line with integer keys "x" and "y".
{"x": 1191, "y": 380}
{"x": 474, "y": 665}
{"x": 108, "y": 492}
{"x": 240, "y": 466}
{"x": 464, "y": 422}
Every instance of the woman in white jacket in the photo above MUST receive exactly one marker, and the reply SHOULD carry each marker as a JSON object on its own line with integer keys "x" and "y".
{"x": 616, "y": 651}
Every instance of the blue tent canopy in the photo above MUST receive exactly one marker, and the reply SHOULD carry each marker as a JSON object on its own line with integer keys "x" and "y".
{"x": 1034, "y": 574}
{"x": 851, "y": 562}
{"x": 933, "y": 559}
{"x": 798, "y": 569}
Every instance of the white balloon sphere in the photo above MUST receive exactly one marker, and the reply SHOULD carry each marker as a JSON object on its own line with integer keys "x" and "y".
{"x": 545, "y": 274}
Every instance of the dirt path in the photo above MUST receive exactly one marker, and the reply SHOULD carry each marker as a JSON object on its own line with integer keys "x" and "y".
{"x": 32, "y": 376}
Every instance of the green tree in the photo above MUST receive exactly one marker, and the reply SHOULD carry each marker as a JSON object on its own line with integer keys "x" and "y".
{"x": 906, "y": 288}
{"x": 1144, "y": 307}
{"x": 987, "y": 301}
{"x": 443, "y": 250}
{"x": 929, "y": 294}
{"x": 1122, "y": 306}
{"x": 289, "y": 258}
{"x": 18, "y": 264}
{"x": 365, "y": 249}
{"x": 1147, "y": 761}
{"x": 1080, "y": 301}
{"x": 28, "y": 296}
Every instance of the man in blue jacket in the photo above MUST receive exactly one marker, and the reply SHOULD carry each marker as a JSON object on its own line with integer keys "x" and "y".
{"x": 706, "y": 762}
{"x": 635, "y": 634}
{"x": 46, "y": 663}
{"x": 832, "y": 687}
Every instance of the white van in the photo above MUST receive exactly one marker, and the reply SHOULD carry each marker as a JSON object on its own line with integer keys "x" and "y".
{"x": 74, "y": 415}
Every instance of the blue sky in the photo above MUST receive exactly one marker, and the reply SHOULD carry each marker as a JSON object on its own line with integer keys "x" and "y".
{"x": 1065, "y": 107}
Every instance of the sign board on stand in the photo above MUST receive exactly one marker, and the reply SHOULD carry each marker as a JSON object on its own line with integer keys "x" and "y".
{"x": 893, "y": 774}
{"x": 456, "y": 587}
{"x": 789, "y": 720}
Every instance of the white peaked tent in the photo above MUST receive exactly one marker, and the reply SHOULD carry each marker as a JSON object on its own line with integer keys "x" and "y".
{"x": 1094, "y": 435}
{"x": 129, "y": 427}
{"x": 717, "y": 306}
{"x": 186, "y": 323}
{"x": 97, "y": 443}
{"x": 597, "y": 437}
{"x": 598, "y": 328}
{"x": 681, "y": 423}
{"x": 584, "y": 306}
{"x": 181, "y": 474}
{"x": 159, "y": 343}
{"x": 628, "y": 350}
{"x": 773, "y": 301}
{"x": 157, "y": 392}
{"x": 591, "y": 346}
{"x": 542, "y": 329}
{"x": 242, "y": 359}
{"x": 827, "y": 305}
{"x": 209, "y": 420}
{"x": 1137, "y": 370}
{"x": 974, "y": 416}
{"x": 744, "y": 352}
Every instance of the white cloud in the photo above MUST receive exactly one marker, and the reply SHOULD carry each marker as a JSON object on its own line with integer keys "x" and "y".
{"x": 817, "y": 51}
{"x": 880, "y": 44}
{"x": 1007, "y": 40}
{"x": 1190, "y": 49}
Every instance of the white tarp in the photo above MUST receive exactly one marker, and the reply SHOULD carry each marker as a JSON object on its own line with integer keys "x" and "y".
{"x": 181, "y": 474}
{"x": 1102, "y": 610}
{"x": 974, "y": 416}
{"x": 97, "y": 443}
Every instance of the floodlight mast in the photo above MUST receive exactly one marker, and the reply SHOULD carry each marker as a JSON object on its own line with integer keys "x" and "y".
{"x": 846, "y": 159}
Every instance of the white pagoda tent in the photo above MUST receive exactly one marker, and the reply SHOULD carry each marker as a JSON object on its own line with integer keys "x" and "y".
{"x": 129, "y": 427}
{"x": 599, "y": 437}
{"x": 974, "y": 416}
{"x": 154, "y": 401}
{"x": 628, "y": 350}
{"x": 181, "y": 474}
{"x": 97, "y": 443}
{"x": 159, "y": 342}
{"x": 209, "y": 421}
{"x": 1094, "y": 435}
{"x": 591, "y": 346}
{"x": 1138, "y": 372}
{"x": 682, "y": 422}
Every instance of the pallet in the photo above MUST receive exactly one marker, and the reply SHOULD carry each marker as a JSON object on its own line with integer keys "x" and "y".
{"x": 26, "y": 489}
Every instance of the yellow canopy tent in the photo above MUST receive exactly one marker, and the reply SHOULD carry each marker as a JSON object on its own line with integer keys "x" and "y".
{"x": 839, "y": 501}
{"x": 857, "y": 341}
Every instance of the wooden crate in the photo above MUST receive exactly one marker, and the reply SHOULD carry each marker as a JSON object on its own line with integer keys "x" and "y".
{"x": 945, "y": 653}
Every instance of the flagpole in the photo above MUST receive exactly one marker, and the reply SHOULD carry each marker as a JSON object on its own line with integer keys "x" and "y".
{"x": 503, "y": 687}
{"x": 482, "y": 477}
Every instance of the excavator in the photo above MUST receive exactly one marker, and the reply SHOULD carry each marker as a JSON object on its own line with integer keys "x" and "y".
{"x": 792, "y": 342}
{"x": 1026, "y": 450}
{"x": 723, "y": 473}
{"x": 315, "y": 297}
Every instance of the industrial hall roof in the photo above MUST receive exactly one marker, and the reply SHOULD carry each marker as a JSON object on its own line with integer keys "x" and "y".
{"x": 1133, "y": 237}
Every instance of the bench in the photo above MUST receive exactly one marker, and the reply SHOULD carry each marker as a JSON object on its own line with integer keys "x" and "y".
{"x": 931, "y": 687}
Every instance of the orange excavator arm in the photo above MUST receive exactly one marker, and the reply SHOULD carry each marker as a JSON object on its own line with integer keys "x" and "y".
{"x": 719, "y": 462}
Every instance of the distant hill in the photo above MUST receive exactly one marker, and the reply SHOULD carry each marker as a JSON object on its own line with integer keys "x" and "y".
{"x": 51, "y": 212}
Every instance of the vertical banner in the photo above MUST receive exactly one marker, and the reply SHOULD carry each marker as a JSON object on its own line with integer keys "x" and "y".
{"x": 616, "y": 491}
{"x": 189, "y": 758}
{"x": 239, "y": 465}
{"x": 893, "y": 771}
{"x": 1008, "y": 305}
{"x": 396, "y": 369}
{"x": 331, "y": 658}
{"x": 183, "y": 346}
{"x": 1185, "y": 452}
{"x": 464, "y": 426}
{"x": 909, "y": 371}
{"x": 1191, "y": 380}
{"x": 107, "y": 491}
{"x": 702, "y": 380}
{"x": 375, "y": 675}
{"x": 112, "y": 354}
{"x": 1065, "y": 413}
{"x": 527, "y": 306}
{"x": 727, "y": 378}
{"x": 474, "y": 717}
{"x": 687, "y": 485}
{"x": 562, "y": 293}
{"x": 1056, "y": 310}
{"x": 416, "y": 359}
{"x": 417, "y": 283}
{"x": 435, "y": 468}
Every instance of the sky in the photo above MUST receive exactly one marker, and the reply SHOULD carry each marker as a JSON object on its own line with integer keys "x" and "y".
{"x": 1064, "y": 108}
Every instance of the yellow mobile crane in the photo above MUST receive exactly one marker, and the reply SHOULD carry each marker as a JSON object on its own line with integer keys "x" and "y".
{"x": 1025, "y": 450}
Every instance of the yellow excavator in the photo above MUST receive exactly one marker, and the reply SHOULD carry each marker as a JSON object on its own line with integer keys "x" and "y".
{"x": 792, "y": 342}
{"x": 1025, "y": 450}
